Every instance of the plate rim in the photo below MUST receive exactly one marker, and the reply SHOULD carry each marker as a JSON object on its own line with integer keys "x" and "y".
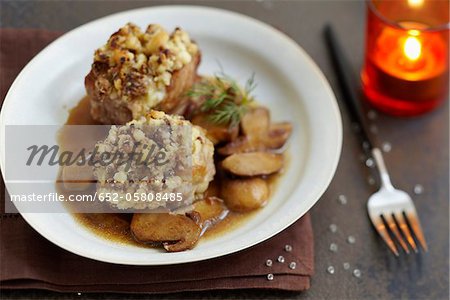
{"x": 308, "y": 60}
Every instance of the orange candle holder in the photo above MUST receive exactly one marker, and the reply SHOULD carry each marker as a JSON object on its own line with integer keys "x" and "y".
{"x": 406, "y": 66}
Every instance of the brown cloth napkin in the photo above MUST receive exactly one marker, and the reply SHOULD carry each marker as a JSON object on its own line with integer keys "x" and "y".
{"x": 29, "y": 261}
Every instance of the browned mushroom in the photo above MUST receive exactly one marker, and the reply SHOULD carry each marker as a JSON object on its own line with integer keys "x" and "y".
{"x": 259, "y": 134}
{"x": 213, "y": 189}
{"x": 239, "y": 145}
{"x": 255, "y": 123}
{"x": 278, "y": 134}
{"x": 215, "y": 133}
{"x": 243, "y": 195}
{"x": 211, "y": 210}
{"x": 253, "y": 164}
{"x": 174, "y": 232}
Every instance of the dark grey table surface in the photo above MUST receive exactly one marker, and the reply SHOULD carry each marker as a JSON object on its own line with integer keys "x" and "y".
{"x": 419, "y": 155}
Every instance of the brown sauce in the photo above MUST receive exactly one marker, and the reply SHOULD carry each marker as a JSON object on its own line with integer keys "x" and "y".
{"x": 80, "y": 114}
{"x": 116, "y": 226}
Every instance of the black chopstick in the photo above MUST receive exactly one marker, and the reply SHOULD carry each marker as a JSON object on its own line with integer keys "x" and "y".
{"x": 346, "y": 79}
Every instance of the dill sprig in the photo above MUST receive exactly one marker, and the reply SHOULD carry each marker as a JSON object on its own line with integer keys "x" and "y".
{"x": 223, "y": 99}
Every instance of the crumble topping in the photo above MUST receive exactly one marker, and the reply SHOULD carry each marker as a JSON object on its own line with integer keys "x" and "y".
{"x": 140, "y": 64}
{"x": 188, "y": 169}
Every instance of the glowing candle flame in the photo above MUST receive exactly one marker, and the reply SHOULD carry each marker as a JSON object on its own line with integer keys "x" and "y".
{"x": 415, "y": 3}
{"x": 412, "y": 48}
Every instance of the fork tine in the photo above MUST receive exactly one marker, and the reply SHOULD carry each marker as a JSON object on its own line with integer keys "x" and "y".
{"x": 393, "y": 226}
{"x": 417, "y": 229}
{"x": 381, "y": 228}
{"x": 406, "y": 232}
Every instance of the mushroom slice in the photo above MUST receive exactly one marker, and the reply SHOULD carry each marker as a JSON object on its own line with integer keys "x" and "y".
{"x": 243, "y": 195}
{"x": 253, "y": 164}
{"x": 259, "y": 134}
{"x": 211, "y": 210}
{"x": 278, "y": 134}
{"x": 240, "y": 145}
{"x": 255, "y": 123}
{"x": 215, "y": 133}
{"x": 213, "y": 189}
{"x": 174, "y": 232}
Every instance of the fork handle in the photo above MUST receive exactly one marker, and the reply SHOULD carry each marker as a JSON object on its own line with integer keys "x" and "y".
{"x": 350, "y": 96}
{"x": 385, "y": 179}
{"x": 351, "y": 101}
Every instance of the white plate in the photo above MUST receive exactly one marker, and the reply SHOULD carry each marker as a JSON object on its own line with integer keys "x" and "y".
{"x": 289, "y": 83}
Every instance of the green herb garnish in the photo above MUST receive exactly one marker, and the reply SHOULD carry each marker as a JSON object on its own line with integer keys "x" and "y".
{"x": 223, "y": 99}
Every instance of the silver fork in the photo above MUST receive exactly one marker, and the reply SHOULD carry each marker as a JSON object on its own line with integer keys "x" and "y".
{"x": 389, "y": 209}
{"x": 395, "y": 207}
